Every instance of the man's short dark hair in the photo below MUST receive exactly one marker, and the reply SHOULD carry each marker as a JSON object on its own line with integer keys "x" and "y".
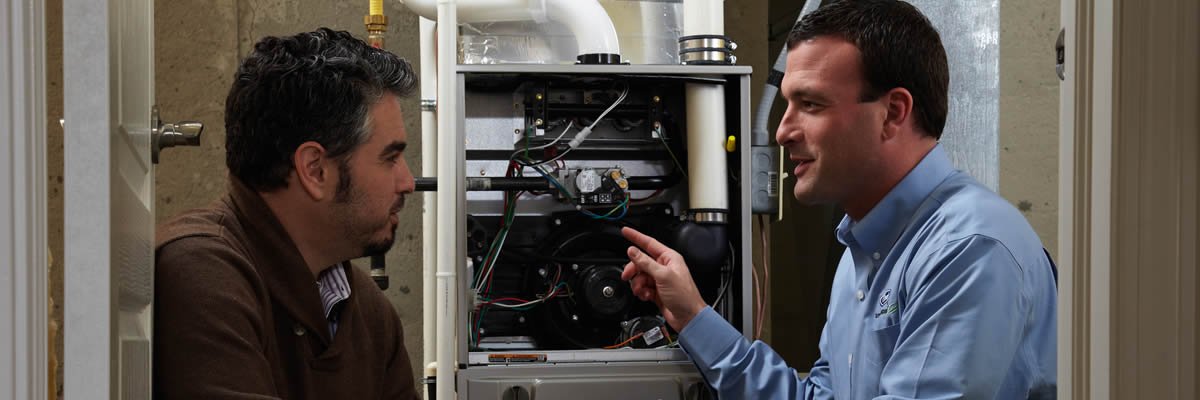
{"x": 315, "y": 86}
{"x": 899, "y": 47}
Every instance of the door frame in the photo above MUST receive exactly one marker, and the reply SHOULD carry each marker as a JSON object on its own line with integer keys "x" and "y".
{"x": 24, "y": 345}
{"x": 1109, "y": 102}
{"x": 1085, "y": 201}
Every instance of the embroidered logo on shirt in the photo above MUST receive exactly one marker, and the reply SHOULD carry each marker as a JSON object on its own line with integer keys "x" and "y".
{"x": 884, "y": 307}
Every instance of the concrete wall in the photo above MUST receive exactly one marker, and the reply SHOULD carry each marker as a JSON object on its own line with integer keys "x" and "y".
{"x": 1029, "y": 113}
{"x": 199, "y": 43}
{"x": 54, "y": 175}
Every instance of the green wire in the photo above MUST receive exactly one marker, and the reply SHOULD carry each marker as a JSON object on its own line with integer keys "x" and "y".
{"x": 678, "y": 165}
{"x": 618, "y": 207}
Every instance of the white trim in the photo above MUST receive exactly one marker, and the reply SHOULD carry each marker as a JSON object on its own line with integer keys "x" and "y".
{"x": 1101, "y": 198}
{"x": 23, "y": 315}
{"x": 1066, "y": 206}
{"x": 89, "y": 339}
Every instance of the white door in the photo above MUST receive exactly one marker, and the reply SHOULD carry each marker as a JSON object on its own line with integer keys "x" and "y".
{"x": 111, "y": 140}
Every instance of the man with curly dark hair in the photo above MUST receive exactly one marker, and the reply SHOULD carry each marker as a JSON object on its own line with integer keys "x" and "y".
{"x": 254, "y": 294}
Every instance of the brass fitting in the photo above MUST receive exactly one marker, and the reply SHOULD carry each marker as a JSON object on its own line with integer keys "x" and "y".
{"x": 376, "y": 28}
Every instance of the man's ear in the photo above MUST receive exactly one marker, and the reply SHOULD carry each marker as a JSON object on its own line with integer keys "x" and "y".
{"x": 313, "y": 172}
{"x": 899, "y": 103}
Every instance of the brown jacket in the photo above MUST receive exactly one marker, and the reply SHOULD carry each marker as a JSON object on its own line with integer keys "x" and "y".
{"x": 237, "y": 315}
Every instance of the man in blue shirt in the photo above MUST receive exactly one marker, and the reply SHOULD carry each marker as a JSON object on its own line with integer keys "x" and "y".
{"x": 944, "y": 290}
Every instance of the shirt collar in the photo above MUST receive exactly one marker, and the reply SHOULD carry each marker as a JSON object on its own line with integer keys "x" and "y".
{"x": 878, "y": 230}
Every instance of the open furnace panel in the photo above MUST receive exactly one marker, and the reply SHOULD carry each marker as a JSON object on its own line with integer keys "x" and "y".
{"x": 544, "y": 310}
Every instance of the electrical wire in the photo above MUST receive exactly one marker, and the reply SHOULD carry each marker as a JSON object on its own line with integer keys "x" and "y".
{"x": 626, "y": 342}
{"x": 663, "y": 139}
{"x": 726, "y": 280}
{"x": 766, "y": 261}
{"x": 624, "y": 207}
{"x": 552, "y": 143}
{"x": 583, "y": 134}
{"x": 621, "y": 98}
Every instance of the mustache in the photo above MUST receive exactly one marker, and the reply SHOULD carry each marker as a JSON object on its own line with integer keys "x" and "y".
{"x": 398, "y": 205}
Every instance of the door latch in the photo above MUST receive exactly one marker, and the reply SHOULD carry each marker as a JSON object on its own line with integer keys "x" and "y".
{"x": 186, "y": 133}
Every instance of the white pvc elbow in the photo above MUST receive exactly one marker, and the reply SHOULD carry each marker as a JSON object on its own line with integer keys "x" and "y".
{"x": 594, "y": 30}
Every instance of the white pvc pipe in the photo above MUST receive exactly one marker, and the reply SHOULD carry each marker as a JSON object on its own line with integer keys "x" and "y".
{"x": 707, "y": 185}
{"x": 587, "y": 19}
{"x": 449, "y": 140}
{"x": 429, "y": 212}
{"x": 703, "y": 17}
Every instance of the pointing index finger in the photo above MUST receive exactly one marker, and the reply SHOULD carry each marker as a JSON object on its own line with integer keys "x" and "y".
{"x": 648, "y": 244}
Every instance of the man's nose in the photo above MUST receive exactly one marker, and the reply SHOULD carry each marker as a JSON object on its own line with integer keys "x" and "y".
{"x": 406, "y": 183}
{"x": 786, "y": 132}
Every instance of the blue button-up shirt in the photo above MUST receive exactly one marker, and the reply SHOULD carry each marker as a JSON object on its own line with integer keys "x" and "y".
{"x": 944, "y": 291}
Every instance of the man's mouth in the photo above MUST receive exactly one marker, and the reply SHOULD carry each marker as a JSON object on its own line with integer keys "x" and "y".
{"x": 802, "y": 165}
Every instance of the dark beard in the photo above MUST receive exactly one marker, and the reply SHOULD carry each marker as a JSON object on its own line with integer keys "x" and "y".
{"x": 378, "y": 248}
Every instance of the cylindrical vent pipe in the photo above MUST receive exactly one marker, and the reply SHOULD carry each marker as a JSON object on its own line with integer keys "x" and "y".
{"x": 703, "y": 17}
{"x": 428, "y": 68}
{"x": 707, "y": 184}
{"x": 708, "y": 187}
{"x": 448, "y": 166}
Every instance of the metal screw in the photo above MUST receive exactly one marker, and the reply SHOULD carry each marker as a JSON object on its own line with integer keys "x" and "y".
{"x": 608, "y": 291}
{"x": 574, "y": 267}
{"x": 657, "y": 125}
{"x": 657, "y": 99}
{"x": 574, "y": 317}
{"x": 516, "y": 131}
{"x": 542, "y": 272}
{"x": 521, "y": 319}
{"x": 557, "y": 221}
{"x": 482, "y": 172}
{"x": 482, "y": 331}
{"x": 538, "y": 96}
{"x": 538, "y": 122}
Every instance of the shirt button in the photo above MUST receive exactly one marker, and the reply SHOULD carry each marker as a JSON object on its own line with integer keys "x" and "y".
{"x": 859, "y": 295}
{"x": 875, "y": 256}
{"x": 298, "y": 330}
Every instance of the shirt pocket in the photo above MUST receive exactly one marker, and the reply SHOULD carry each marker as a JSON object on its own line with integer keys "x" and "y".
{"x": 878, "y": 343}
